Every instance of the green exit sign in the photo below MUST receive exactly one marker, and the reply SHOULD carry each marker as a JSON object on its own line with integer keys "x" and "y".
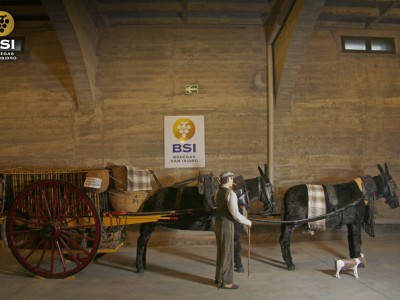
{"x": 192, "y": 89}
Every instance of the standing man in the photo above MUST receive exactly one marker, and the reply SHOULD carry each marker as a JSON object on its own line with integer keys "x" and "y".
{"x": 227, "y": 213}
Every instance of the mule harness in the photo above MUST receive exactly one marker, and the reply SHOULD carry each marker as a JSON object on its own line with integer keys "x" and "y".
{"x": 313, "y": 219}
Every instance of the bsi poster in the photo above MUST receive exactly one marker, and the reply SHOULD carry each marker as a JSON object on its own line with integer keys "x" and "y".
{"x": 184, "y": 142}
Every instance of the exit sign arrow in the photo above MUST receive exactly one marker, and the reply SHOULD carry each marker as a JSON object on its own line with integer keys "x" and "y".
{"x": 192, "y": 89}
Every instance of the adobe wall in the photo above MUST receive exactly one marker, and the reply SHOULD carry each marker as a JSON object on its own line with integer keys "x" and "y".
{"x": 341, "y": 117}
{"x": 335, "y": 119}
{"x": 140, "y": 78}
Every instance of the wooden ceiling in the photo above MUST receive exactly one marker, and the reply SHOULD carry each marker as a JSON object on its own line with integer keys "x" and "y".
{"x": 376, "y": 14}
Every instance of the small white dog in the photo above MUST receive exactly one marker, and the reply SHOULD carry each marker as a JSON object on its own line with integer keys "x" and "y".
{"x": 349, "y": 263}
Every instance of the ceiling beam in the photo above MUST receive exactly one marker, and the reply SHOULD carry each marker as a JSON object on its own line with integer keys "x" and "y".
{"x": 383, "y": 13}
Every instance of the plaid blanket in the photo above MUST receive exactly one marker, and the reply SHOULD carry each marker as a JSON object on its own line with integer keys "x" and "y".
{"x": 131, "y": 179}
{"x": 316, "y": 206}
{"x": 138, "y": 179}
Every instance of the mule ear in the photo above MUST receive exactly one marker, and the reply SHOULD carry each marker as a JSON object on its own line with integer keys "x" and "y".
{"x": 380, "y": 169}
{"x": 386, "y": 168}
{"x": 261, "y": 171}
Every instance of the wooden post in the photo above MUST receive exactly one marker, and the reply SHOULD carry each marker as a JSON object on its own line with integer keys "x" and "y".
{"x": 248, "y": 255}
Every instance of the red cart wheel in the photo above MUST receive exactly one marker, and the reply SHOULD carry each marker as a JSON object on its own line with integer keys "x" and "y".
{"x": 49, "y": 221}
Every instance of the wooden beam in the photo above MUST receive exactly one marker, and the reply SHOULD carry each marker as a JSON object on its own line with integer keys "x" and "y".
{"x": 74, "y": 51}
{"x": 385, "y": 12}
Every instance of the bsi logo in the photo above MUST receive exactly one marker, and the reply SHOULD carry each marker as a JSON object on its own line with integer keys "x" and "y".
{"x": 9, "y": 46}
{"x": 6, "y": 23}
{"x": 12, "y": 44}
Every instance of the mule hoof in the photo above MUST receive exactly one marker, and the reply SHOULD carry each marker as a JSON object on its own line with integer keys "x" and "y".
{"x": 239, "y": 269}
{"x": 139, "y": 270}
{"x": 291, "y": 268}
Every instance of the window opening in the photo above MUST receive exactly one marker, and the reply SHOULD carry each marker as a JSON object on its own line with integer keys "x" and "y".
{"x": 368, "y": 44}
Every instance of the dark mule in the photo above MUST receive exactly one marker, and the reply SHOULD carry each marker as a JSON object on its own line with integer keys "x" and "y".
{"x": 250, "y": 190}
{"x": 357, "y": 214}
{"x": 200, "y": 206}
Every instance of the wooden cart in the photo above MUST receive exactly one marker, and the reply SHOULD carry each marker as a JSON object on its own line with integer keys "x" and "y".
{"x": 55, "y": 227}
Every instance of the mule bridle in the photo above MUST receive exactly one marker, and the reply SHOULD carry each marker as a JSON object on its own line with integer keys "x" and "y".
{"x": 268, "y": 190}
{"x": 243, "y": 196}
{"x": 391, "y": 186}
{"x": 389, "y": 189}
{"x": 388, "y": 186}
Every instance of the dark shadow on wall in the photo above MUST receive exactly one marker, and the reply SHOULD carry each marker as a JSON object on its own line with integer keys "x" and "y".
{"x": 45, "y": 46}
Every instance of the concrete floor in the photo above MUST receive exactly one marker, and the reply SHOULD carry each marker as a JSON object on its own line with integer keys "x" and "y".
{"x": 182, "y": 272}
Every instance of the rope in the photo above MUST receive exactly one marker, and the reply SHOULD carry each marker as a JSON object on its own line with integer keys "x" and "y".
{"x": 156, "y": 179}
{"x": 185, "y": 182}
{"x": 308, "y": 220}
{"x": 167, "y": 212}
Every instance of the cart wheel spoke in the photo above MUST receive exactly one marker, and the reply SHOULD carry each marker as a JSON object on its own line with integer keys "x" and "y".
{"x": 50, "y": 221}
{"x": 42, "y": 253}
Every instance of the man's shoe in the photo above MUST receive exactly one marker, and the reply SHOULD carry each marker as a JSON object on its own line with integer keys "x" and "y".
{"x": 229, "y": 286}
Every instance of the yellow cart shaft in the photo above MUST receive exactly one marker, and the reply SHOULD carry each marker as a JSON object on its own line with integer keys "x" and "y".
{"x": 127, "y": 219}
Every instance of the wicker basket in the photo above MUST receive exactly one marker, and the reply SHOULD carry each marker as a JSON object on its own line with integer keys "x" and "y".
{"x": 127, "y": 201}
{"x": 120, "y": 176}
{"x": 104, "y": 175}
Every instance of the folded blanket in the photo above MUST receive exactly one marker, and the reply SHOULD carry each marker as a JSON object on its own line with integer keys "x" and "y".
{"x": 131, "y": 179}
{"x": 138, "y": 180}
{"x": 316, "y": 206}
